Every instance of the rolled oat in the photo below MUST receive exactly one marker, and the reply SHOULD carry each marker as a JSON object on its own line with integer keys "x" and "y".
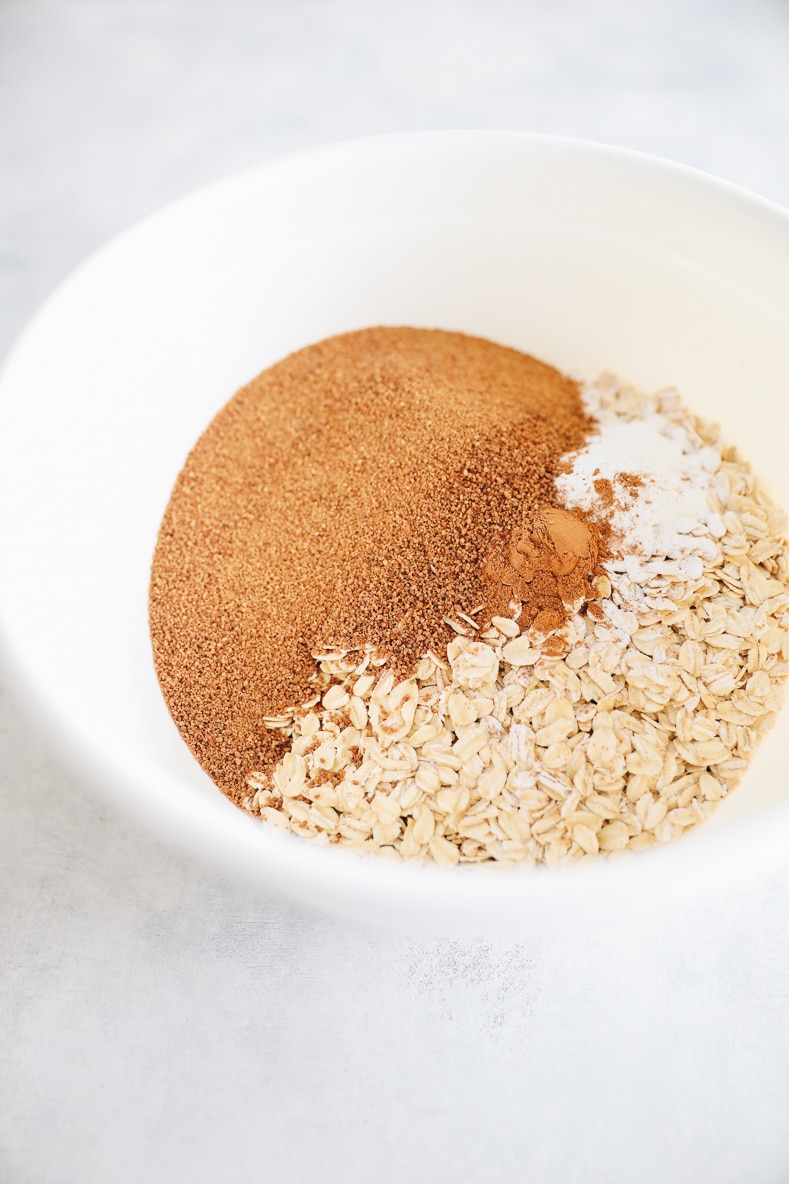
{"x": 618, "y": 731}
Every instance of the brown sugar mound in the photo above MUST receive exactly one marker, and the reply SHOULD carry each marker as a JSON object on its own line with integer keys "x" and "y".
{"x": 354, "y": 494}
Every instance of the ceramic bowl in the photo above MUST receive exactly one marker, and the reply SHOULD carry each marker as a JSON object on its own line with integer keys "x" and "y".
{"x": 591, "y": 258}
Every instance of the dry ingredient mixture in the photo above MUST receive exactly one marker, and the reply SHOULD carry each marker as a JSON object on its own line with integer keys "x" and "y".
{"x": 408, "y": 598}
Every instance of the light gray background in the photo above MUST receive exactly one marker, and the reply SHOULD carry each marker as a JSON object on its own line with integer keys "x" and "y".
{"x": 161, "y": 1024}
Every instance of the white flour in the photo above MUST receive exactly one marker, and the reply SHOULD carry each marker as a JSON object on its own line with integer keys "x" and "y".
{"x": 667, "y": 525}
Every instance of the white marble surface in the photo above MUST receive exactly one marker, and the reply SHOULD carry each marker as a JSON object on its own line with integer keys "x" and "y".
{"x": 161, "y": 1024}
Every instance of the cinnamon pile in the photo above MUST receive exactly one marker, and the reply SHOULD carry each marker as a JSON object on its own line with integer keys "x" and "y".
{"x": 547, "y": 565}
{"x": 358, "y": 493}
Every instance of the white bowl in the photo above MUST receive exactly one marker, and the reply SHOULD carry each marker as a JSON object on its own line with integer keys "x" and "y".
{"x": 589, "y": 257}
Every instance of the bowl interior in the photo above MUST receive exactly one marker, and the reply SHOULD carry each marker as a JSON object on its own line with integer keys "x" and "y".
{"x": 590, "y": 258}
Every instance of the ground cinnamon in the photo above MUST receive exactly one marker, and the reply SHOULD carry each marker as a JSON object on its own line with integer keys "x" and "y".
{"x": 548, "y": 565}
{"x": 357, "y": 493}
